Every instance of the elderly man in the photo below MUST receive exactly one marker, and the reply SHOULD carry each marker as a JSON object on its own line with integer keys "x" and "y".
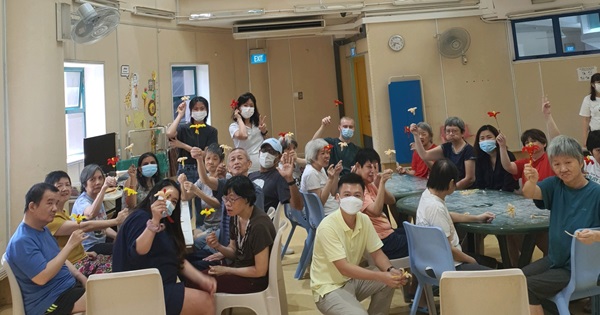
{"x": 49, "y": 282}
{"x": 342, "y": 147}
{"x": 278, "y": 184}
{"x": 337, "y": 281}
{"x": 574, "y": 202}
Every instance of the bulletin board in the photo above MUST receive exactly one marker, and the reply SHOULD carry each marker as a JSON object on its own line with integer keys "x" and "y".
{"x": 405, "y": 93}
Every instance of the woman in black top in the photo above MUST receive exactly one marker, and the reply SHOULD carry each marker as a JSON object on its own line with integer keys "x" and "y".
{"x": 489, "y": 173}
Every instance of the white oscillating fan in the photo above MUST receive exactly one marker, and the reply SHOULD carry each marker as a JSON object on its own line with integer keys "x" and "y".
{"x": 454, "y": 43}
{"x": 94, "y": 23}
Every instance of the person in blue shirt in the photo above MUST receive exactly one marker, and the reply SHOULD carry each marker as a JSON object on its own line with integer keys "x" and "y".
{"x": 574, "y": 203}
{"x": 49, "y": 283}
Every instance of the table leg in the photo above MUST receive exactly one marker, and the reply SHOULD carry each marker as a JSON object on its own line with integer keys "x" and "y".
{"x": 527, "y": 250}
{"x": 502, "y": 244}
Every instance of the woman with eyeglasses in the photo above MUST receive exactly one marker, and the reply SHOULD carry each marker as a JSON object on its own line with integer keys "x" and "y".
{"x": 456, "y": 149}
{"x": 151, "y": 237}
{"x": 248, "y": 129}
{"x": 142, "y": 178}
{"x": 251, "y": 238}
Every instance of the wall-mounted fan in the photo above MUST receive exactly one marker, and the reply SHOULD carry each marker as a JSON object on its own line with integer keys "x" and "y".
{"x": 90, "y": 24}
{"x": 454, "y": 43}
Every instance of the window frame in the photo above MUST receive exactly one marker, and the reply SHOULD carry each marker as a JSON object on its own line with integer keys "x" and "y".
{"x": 81, "y": 108}
{"x": 558, "y": 42}
{"x": 177, "y": 98}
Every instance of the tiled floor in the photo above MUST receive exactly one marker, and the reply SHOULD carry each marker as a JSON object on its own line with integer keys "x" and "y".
{"x": 299, "y": 297}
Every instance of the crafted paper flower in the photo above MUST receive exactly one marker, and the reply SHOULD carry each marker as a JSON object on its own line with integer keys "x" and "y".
{"x": 510, "y": 209}
{"x": 112, "y": 161}
{"x": 328, "y": 147}
{"x": 129, "y": 191}
{"x": 342, "y": 145}
{"x": 389, "y": 152}
{"x": 129, "y": 148}
{"x": 162, "y": 195}
{"x": 412, "y": 110}
{"x": 588, "y": 159}
{"x": 233, "y": 104}
{"x": 185, "y": 98}
{"x": 406, "y": 129}
{"x": 337, "y": 102}
{"x": 530, "y": 148}
{"x": 282, "y": 134}
{"x": 207, "y": 211}
{"x": 182, "y": 160}
{"x": 493, "y": 114}
{"x": 225, "y": 148}
{"x": 78, "y": 217}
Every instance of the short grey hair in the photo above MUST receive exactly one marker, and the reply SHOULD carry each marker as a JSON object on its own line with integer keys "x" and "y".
{"x": 565, "y": 146}
{"x": 87, "y": 173}
{"x": 425, "y": 126}
{"x": 312, "y": 149}
{"x": 243, "y": 151}
{"x": 456, "y": 122}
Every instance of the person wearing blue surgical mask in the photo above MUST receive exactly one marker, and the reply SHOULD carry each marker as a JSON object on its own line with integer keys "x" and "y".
{"x": 489, "y": 173}
{"x": 342, "y": 147}
{"x": 142, "y": 178}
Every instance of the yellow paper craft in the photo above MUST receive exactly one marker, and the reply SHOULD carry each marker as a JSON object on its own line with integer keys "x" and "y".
{"x": 510, "y": 209}
{"x": 412, "y": 110}
{"x": 207, "y": 211}
{"x": 389, "y": 152}
{"x": 342, "y": 145}
{"x": 185, "y": 98}
{"x": 225, "y": 148}
{"x": 129, "y": 148}
{"x": 78, "y": 217}
{"x": 182, "y": 160}
{"x": 129, "y": 191}
{"x": 162, "y": 195}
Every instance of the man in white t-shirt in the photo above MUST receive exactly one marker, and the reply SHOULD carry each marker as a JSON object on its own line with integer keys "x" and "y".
{"x": 432, "y": 211}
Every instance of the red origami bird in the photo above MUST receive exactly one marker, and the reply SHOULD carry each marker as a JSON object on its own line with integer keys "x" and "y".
{"x": 337, "y": 102}
{"x": 112, "y": 161}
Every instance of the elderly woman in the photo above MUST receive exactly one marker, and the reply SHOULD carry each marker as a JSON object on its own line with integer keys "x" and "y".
{"x": 151, "y": 237}
{"x": 574, "y": 202}
{"x": 457, "y": 150}
{"x": 418, "y": 167}
{"x": 62, "y": 227}
{"x": 251, "y": 240}
{"x": 316, "y": 179}
{"x": 91, "y": 204}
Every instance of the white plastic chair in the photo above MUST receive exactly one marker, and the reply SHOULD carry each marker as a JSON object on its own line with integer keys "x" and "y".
{"x": 271, "y": 301}
{"x": 18, "y": 308}
{"x": 127, "y": 292}
{"x": 489, "y": 292}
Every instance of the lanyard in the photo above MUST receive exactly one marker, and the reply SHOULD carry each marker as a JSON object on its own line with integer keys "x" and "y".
{"x": 241, "y": 240}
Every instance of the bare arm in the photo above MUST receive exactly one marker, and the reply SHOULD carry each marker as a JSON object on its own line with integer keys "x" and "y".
{"x": 56, "y": 263}
{"x": 227, "y": 251}
{"x": 530, "y": 189}
{"x": 324, "y": 122}
{"x": 429, "y": 155}
{"x": 144, "y": 242}
{"x": 586, "y": 128}
{"x": 69, "y": 227}
{"x": 356, "y": 272}
{"x": 211, "y": 182}
{"x": 458, "y": 255}
{"x": 383, "y": 196}
{"x": 551, "y": 127}
{"x": 242, "y": 133}
{"x": 195, "y": 191}
{"x": 260, "y": 268}
{"x": 287, "y": 172}
{"x": 469, "y": 175}
{"x": 485, "y": 217}
{"x": 172, "y": 130}
{"x": 94, "y": 209}
{"x": 507, "y": 164}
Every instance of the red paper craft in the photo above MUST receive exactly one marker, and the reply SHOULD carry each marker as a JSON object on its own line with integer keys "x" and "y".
{"x": 588, "y": 160}
{"x": 328, "y": 147}
{"x": 112, "y": 161}
{"x": 530, "y": 148}
{"x": 233, "y": 104}
{"x": 282, "y": 134}
{"x": 337, "y": 102}
{"x": 494, "y": 114}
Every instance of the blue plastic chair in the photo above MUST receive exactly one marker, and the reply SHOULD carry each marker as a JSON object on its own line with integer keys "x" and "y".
{"x": 429, "y": 251}
{"x": 314, "y": 207}
{"x": 585, "y": 274}
{"x": 296, "y": 218}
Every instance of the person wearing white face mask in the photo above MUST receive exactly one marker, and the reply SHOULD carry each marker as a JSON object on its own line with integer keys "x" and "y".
{"x": 337, "y": 281}
{"x": 590, "y": 108}
{"x": 489, "y": 173}
{"x": 248, "y": 129}
{"x": 342, "y": 147}
{"x": 278, "y": 184}
{"x": 195, "y": 133}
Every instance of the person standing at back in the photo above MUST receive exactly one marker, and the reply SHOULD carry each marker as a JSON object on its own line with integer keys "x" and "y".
{"x": 343, "y": 149}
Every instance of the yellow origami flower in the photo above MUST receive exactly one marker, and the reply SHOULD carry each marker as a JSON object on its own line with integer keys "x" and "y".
{"x": 207, "y": 211}
{"x": 225, "y": 147}
{"x": 78, "y": 217}
{"x": 412, "y": 110}
{"x": 389, "y": 152}
{"x": 342, "y": 145}
{"x": 129, "y": 148}
{"x": 129, "y": 191}
{"x": 185, "y": 98}
{"x": 182, "y": 160}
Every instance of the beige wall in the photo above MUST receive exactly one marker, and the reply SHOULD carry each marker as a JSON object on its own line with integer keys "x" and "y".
{"x": 449, "y": 87}
{"x": 5, "y": 206}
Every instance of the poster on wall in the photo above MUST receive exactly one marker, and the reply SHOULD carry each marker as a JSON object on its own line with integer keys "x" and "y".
{"x": 134, "y": 91}
{"x": 585, "y": 73}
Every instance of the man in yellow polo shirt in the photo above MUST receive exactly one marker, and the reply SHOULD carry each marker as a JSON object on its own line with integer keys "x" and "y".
{"x": 337, "y": 281}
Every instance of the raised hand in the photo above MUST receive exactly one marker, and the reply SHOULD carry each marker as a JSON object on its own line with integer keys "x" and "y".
{"x": 501, "y": 139}
{"x": 76, "y": 238}
{"x": 190, "y": 187}
{"x": 326, "y": 121}
{"x": 181, "y": 108}
{"x": 110, "y": 181}
{"x": 531, "y": 173}
{"x": 212, "y": 241}
{"x": 286, "y": 169}
{"x": 262, "y": 126}
{"x": 132, "y": 171}
{"x": 197, "y": 153}
{"x": 546, "y": 106}
{"x": 158, "y": 208}
{"x": 414, "y": 130}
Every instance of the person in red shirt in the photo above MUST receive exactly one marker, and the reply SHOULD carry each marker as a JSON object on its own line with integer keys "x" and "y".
{"x": 419, "y": 167}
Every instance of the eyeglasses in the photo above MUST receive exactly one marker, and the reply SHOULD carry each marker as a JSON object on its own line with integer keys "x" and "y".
{"x": 452, "y": 131}
{"x": 230, "y": 200}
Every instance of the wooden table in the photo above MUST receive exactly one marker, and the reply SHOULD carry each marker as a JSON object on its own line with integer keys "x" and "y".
{"x": 528, "y": 220}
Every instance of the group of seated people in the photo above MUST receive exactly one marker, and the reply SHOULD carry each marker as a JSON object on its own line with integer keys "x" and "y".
{"x": 52, "y": 253}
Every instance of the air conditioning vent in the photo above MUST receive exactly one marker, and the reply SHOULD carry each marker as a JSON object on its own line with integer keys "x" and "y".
{"x": 278, "y": 28}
